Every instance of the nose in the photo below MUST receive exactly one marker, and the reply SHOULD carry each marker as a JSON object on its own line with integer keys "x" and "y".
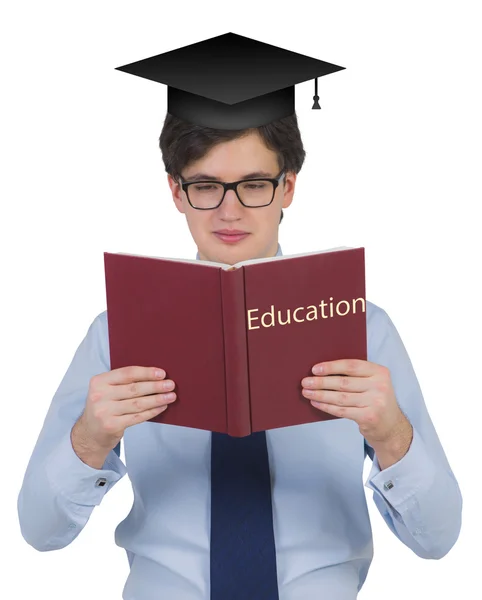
{"x": 231, "y": 203}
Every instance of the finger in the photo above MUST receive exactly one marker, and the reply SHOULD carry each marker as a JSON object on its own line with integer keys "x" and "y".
{"x": 345, "y": 412}
{"x": 143, "y": 403}
{"x": 134, "y": 373}
{"x": 140, "y": 417}
{"x": 358, "y": 400}
{"x": 140, "y": 389}
{"x": 340, "y": 383}
{"x": 346, "y": 366}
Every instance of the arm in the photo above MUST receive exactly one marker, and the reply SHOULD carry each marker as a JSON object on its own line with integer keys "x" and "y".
{"x": 59, "y": 490}
{"x": 417, "y": 495}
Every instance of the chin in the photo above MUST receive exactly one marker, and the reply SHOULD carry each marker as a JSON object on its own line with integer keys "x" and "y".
{"x": 225, "y": 253}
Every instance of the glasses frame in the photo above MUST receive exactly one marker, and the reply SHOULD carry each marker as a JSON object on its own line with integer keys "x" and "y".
{"x": 232, "y": 186}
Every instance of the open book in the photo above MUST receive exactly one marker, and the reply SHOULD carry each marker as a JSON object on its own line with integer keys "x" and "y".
{"x": 237, "y": 339}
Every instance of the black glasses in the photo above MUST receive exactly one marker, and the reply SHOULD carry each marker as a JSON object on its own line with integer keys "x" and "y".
{"x": 252, "y": 193}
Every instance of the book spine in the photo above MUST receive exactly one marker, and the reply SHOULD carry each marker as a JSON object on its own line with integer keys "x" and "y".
{"x": 238, "y": 411}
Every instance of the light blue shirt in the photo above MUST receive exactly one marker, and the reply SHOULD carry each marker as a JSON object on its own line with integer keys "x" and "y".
{"x": 321, "y": 522}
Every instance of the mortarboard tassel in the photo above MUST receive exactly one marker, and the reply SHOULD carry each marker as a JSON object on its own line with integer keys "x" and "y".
{"x": 316, "y": 97}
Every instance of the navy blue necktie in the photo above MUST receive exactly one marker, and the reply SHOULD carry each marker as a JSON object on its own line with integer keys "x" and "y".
{"x": 243, "y": 557}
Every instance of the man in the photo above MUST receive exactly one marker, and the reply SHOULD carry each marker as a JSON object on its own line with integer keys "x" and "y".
{"x": 310, "y": 534}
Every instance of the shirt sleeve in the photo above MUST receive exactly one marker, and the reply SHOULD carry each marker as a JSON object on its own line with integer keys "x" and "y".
{"x": 59, "y": 491}
{"x": 418, "y": 497}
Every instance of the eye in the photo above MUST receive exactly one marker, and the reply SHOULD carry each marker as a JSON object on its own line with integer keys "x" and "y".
{"x": 204, "y": 188}
{"x": 255, "y": 186}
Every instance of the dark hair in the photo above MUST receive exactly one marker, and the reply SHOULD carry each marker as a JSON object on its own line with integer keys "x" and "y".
{"x": 182, "y": 143}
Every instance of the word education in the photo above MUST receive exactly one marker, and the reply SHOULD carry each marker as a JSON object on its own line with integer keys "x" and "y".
{"x": 313, "y": 312}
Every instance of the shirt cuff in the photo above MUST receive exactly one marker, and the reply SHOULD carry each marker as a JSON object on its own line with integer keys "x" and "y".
{"x": 75, "y": 480}
{"x": 413, "y": 474}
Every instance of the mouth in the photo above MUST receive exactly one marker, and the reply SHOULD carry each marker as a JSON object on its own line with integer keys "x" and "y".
{"x": 231, "y": 238}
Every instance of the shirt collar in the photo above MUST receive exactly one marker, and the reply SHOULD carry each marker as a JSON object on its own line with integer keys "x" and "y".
{"x": 278, "y": 253}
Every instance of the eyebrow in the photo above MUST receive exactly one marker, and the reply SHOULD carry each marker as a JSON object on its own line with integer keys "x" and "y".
{"x": 206, "y": 176}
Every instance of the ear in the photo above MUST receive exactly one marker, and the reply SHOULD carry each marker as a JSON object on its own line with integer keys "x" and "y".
{"x": 177, "y": 193}
{"x": 288, "y": 187}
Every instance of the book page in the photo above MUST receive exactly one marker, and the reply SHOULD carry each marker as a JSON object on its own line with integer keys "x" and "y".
{"x": 285, "y": 256}
{"x": 208, "y": 263}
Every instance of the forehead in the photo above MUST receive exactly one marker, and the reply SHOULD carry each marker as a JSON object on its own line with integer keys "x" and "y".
{"x": 246, "y": 157}
{"x": 249, "y": 148}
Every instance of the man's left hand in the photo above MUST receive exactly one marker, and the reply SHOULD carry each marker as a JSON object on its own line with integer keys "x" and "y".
{"x": 359, "y": 390}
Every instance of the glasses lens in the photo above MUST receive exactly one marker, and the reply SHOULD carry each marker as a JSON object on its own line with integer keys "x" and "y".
{"x": 205, "y": 195}
{"x": 252, "y": 193}
{"x": 255, "y": 193}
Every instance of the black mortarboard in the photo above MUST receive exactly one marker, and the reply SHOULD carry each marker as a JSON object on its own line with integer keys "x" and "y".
{"x": 231, "y": 81}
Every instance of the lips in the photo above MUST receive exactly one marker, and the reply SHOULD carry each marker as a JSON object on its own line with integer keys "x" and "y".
{"x": 231, "y": 237}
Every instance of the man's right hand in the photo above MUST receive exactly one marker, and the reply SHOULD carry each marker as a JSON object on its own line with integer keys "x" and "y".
{"x": 116, "y": 400}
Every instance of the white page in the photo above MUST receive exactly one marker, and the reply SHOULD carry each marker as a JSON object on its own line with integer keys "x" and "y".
{"x": 208, "y": 263}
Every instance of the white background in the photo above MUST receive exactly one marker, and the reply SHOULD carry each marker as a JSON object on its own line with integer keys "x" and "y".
{"x": 393, "y": 164}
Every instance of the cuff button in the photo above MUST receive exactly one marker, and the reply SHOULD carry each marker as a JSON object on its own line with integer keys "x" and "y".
{"x": 100, "y": 482}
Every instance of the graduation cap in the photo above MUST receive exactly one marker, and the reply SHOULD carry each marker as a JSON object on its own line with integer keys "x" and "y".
{"x": 231, "y": 81}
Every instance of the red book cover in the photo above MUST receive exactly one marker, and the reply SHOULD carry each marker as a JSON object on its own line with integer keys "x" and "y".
{"x": 237, "y": 340}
